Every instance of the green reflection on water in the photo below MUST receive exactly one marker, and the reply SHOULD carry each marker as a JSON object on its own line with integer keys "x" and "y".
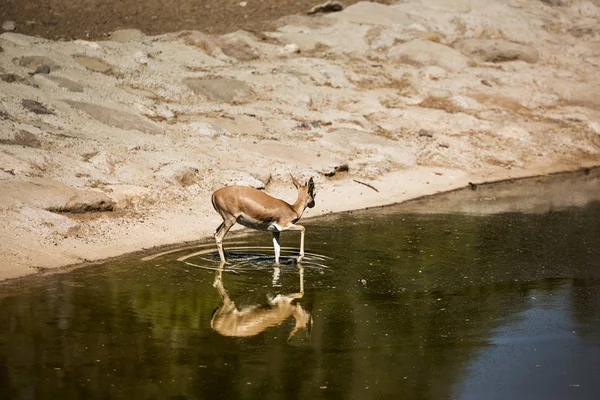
{"x": 408, "y": 308}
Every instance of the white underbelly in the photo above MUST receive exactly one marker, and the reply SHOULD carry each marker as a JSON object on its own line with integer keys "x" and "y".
{"x": 250, "y": 222}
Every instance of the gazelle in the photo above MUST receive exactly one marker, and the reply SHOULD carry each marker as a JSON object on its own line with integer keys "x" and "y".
{"x": 257, "y": 210}
{"x": 229, "y": 320}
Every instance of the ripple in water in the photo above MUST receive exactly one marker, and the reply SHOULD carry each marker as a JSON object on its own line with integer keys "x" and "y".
{"x": 241, "y": 257}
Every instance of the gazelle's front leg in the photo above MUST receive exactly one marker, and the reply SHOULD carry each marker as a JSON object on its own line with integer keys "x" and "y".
{"x": 276, "y": 246}
{"x": 300, "y": 228}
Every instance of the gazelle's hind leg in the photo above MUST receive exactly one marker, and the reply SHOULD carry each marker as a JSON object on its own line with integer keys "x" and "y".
{"x": 220, "y": 234}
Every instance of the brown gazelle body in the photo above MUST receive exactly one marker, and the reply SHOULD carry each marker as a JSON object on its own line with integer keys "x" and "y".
{"x": 257, "y": 210}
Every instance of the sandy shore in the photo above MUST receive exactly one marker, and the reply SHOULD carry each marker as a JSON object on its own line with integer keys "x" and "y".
{"x": 118, "y": 148}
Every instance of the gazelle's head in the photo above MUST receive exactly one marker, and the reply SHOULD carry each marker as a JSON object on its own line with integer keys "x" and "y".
{"x": 307, "y": 190}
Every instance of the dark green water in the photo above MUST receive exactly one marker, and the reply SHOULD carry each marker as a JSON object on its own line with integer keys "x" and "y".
{"x": 409, "y": 306}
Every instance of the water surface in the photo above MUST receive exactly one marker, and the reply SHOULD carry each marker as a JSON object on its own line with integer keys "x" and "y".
{"x": 502, "y": 305}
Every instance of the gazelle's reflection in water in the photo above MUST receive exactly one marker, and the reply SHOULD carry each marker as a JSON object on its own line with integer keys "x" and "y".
{"x": 230, "y": 320}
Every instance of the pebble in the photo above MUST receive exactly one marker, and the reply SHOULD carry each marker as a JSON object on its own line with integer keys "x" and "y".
{"x": 327, "y": 7}
{"x": 9, "y": 26}
{"x": 291, "y": 48}
{"x": 42, "y": 69}
{"x": 141, "y": 58}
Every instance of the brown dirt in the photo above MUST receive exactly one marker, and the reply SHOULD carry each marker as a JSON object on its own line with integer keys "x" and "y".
{"x": 95, "y": 19}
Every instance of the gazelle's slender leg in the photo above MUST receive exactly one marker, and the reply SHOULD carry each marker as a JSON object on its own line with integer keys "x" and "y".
{"x": 300, "y": 228}
{"x": 218, "y": 282}
{"x": 301, "y": 273}
{"x": 276, "y": 246}
{"x": 276, "y": 273}
{"x": 220, "y": 234}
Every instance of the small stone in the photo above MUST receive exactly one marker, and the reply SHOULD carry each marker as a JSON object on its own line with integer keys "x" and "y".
{"x": 42, "y": 69}
{"x": 225, "y": 90}
{"x": 237, "y": 48}
{"x": 288, "y": 49}
{"x": 425, "y": 133}
{"x": 327, "y": 7}
{"x": 93, "y": 64}
{"x": 141, "y": 58}
{"x": 9, "y": 26}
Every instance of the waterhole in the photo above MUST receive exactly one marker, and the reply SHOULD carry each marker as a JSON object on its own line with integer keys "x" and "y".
{"x": 491, "y": 293}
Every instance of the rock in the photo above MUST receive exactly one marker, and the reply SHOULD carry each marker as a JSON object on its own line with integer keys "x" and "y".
{"x": 117, "y": 118}
{"x": 9, "y": 26}
{"x": 42, "y": 69}
{"x": 425, "y": 133}
{"x": 288, "y": 49}
{"x": 19, "y": 40}
{"x": 87, "y": 43}
{"x": 23, "y": 138}
{"x": 224, "y": 47}
{"x": 327, "y": 7}
{"x": 237, "y": 48}
{"x": 93, "y": 64}
{"x": 127, "y": 35}
{"x": 52, "y": 196}
{"x": 227, "y": 90}
{"x": 497, "y": 50}
{"x": 35, "y": 107}
{"x": 141, "y": 58}
{"x": 65, "y": 83}
{"x": 420, "y": 52}
{"x": 85, "y": 202}
{"x": 35, "y": 62}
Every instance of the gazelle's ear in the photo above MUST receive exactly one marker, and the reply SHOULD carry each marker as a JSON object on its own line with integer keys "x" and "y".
{"x": 311, "y": 185}
{"x": 296, "y": 183}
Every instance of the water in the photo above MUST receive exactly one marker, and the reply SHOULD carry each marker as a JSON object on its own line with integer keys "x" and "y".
{"x": 502, "y": 305}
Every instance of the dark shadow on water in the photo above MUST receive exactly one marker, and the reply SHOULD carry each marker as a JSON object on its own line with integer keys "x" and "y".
{"x": 388, "y": 304}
